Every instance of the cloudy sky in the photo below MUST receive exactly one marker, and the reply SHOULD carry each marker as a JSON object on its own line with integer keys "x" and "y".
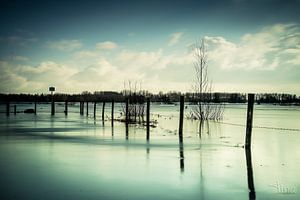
{"x": 253, "y": 46}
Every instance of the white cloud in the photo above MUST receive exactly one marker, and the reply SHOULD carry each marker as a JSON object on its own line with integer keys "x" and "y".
{"x": 84, "y": 54}
{"x": 265, "y": 50}
{"x": 174, "y": 38}
{"x": 154, "y": 60}
{"x": 27, "y": 78}
{"x": 103, "y": 75}
{"x": 107, "y": 45}
{"x": 64, "y": 45}
{"x": 135, "y": 59}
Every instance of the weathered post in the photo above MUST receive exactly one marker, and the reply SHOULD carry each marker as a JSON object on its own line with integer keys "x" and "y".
{"x": 103, "y": 110}
{"x": 95, "y": 109}
{"x": 52, "y": 108}
{"x": 52, "y": 89}
{"x": 181, "y": 119}
{"x": 66, "y": 107}
{"x": 7, "y": 108}
{"x": 87, "y": 108}
{"x": 35, "y": 107}
{"x": 15, "y": 109}
{"x": 181, "y": 154}
{"x": 126, "y": 118}
{"x": 81, "y": 107}
{"x": 112, "y": 112}
{"x": 148, "y": 119}
{"x": 249, "y": 121}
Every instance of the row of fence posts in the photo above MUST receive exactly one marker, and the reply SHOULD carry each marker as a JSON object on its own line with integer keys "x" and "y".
{"x": 15, "y": 108}
{"x": 127, "y": 117}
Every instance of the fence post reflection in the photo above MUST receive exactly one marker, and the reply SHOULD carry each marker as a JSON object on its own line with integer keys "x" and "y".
{"x": 251, "y": 188}
{"x": 181, "y": 154}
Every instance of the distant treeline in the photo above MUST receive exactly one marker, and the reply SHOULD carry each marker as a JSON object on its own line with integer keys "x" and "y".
{"x": 170, "y": 97}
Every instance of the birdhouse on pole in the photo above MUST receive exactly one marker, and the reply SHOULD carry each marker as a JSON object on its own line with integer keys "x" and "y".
{"x": 51, "y": 89}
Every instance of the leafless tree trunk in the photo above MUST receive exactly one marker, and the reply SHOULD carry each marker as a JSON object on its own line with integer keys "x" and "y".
{"x": 136, "y": 99}
{"x": 204, "y": 109}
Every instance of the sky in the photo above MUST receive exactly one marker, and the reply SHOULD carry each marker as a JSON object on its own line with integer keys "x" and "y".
{"x": 252, "y": 46}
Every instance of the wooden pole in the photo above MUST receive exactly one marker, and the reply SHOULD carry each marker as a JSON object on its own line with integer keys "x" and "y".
{"x": 87, "y": 108}
{"x": 82, "y": 108}
{"x": 52, "y": 106}
{"x": 112, "y": 112}
{"x": 181, "y": 119}
{"x": 103, "y": 110}
{"x": 180, "y": 133}
{"x": 148, "y": 119}
{"x": 249, "y": 121}
{"x": 127, "y": 118}
{"x": 15, "y": 109}
{"x": 95, "y": 109}
{"x": 66, "y": 107}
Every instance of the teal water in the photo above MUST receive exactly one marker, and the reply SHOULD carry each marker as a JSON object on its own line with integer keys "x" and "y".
{"x": 77, "y": 157}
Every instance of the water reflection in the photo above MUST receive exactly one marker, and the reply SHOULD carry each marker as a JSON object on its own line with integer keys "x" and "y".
{"x": 126, "y": 124}
{"x": 147, "y": 150}
{"x": 204, "y": 127}
{"x": 200, "y": 128}
{"x": 112, "y": 132}
{"x": 251, "y": 188}
{"x": 181, "y": 157}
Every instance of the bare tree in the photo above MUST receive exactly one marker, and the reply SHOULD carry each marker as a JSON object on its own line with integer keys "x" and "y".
{"x": 136, "y": 96}
{"x": 204, "y": 109}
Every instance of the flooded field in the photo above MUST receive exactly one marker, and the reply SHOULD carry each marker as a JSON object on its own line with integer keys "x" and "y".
{"x": 79, "y": 157}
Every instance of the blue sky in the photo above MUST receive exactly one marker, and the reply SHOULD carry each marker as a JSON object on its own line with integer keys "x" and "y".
{"x": 253, "y": 46}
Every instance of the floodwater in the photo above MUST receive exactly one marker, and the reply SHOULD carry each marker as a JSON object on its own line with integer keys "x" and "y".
{"x": 79, "y": 157}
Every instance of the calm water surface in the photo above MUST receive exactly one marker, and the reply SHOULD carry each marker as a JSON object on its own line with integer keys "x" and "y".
{"x": 77, "y": 157}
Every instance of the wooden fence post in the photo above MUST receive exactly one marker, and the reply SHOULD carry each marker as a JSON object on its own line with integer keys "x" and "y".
{"x": 103, "y": 110}
{"x": 148, "y": 119}
{"x": 66, "y": 107}
{"x": 112, "y": 112}
{"x": 181, "y": 119}
{"x": 249, "y": 121}
{"x": 126, "y": 118}
{"x": 81, "y": 107}
{"x": 52, "y": 106}
{"x": 87, "y": 108}
{"x": 95, "y": 109}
